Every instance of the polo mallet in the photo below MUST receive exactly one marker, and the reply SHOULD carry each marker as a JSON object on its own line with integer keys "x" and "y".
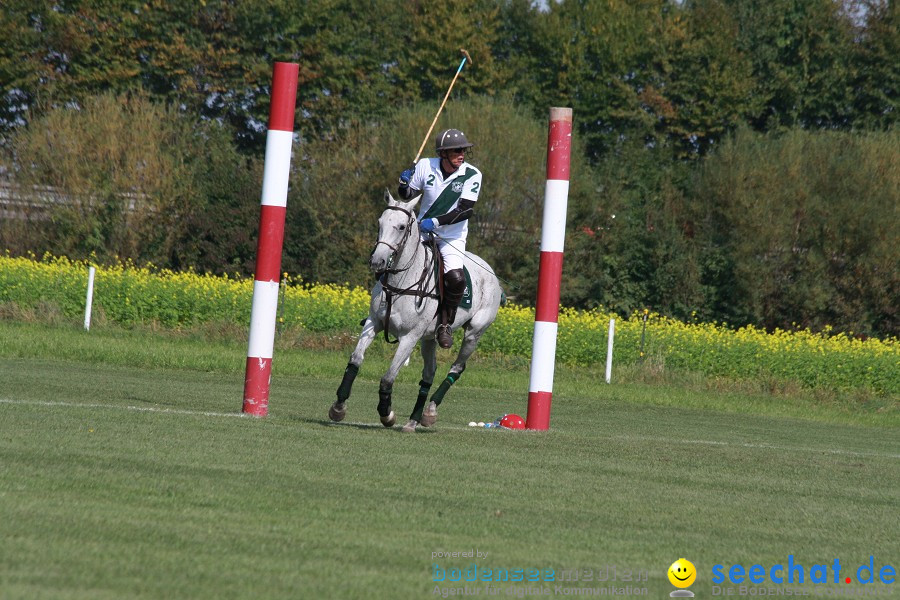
{"x": 447, "y": 95}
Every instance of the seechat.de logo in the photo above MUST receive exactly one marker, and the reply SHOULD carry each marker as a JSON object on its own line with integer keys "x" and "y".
{"x": 794, "y": 572}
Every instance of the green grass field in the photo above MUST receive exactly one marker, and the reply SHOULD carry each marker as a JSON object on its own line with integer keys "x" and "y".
{"x": 126, "y": 471}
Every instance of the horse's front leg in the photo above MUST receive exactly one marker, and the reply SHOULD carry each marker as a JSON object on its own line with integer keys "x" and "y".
{"x": 429, "y": 356}
{"x": 338, "y": 410}
{"x": 385, "y": 389}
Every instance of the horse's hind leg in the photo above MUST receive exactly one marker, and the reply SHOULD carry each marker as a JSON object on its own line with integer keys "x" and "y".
{"x": 470, "y": 342}
{"x": 338, "y": 410}
{"x": 429, "y": 357}
{"x": 429, "y": 416}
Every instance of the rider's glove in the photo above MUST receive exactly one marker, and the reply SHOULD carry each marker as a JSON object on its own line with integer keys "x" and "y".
{"x": 428, "y": 225}
{"x": 405, "y": 176}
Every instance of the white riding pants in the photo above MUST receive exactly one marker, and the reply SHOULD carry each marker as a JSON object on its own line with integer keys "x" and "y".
{"x": 453, "y": 252}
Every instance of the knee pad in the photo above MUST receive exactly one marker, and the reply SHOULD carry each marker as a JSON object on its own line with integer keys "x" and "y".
{"x": 455, "y": 281}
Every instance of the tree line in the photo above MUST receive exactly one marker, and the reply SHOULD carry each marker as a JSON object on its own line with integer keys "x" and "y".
{"x": 735, "y": 160}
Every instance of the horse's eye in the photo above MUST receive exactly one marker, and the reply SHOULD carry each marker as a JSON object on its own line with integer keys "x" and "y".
{"x": 402, "y": 227}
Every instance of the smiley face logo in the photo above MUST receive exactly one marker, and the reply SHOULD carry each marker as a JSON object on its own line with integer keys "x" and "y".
{"x": 682, "y": 573}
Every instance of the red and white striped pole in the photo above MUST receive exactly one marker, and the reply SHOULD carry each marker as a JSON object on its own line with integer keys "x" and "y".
{"x": 553, "y": 235}
{"x": 276, "y": 174}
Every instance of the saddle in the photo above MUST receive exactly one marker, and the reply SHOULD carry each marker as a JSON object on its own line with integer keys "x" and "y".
{"x": 466, "y": 301}
{"x": 419, "y": 291}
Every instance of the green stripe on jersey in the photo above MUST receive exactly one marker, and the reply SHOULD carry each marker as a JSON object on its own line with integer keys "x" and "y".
{"x": 448, "y": 197}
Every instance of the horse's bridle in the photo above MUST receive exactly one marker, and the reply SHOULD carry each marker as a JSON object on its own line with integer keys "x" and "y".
{"x": 395, "y": 250}
{"x": 419, "y": 288}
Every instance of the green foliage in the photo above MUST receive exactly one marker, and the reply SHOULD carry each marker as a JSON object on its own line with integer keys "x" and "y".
{"x": 433, "y": 34}
{"x": 802, "y": 62}
{"x": 219, "y": 221}
{"x": 334, "y": 200}
{"x": 652, "y": 73}
{"x": 59, "y": 53}
{"x": 705, "y": 84}
{"x": 133, "y": 180}
{"x": 653, "y": 69}
{"x": 348, "y": 51}
{"x": 338, "y": 189}
{"x": 596, "y": 57}
{"x": 113, "y": 101}
{"x": 807, "y": 224}
{"x": 214, "y": 60}
{"x": 639, "y": 251}
{"x": 118, "y": 164}
{"x": 876, "y": 103}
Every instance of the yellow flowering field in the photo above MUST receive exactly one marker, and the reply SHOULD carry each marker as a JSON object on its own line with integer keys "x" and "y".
{"x": 131, "y": 295}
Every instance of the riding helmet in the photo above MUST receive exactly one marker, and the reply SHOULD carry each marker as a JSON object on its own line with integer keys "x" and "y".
{"x": 450, "y": 139}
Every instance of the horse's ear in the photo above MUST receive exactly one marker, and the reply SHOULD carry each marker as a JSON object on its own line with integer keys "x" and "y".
{"x": 411, "y": 205}
{"x": 388, "y": 198}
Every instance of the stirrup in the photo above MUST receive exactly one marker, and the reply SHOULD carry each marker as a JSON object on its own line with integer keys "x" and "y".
{"x": 444, "y": 336}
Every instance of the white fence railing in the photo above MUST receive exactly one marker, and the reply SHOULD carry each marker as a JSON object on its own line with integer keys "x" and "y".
{"x": 36, "y": 201}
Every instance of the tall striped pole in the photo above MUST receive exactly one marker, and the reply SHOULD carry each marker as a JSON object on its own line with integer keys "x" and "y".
{"x": 276, "y": 173}
{"x": 553, "y": 234}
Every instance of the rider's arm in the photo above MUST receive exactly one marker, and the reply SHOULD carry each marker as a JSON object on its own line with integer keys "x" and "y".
{"x": 406, "y": 191}
{"x": 415, "y": 180}
{"x": 463, "y": 210}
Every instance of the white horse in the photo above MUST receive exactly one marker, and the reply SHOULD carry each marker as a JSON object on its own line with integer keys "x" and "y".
{"x": 405, "y": 304}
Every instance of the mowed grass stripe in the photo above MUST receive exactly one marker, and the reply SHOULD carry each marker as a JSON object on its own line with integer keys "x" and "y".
{"x": 153, "y": 409}
{"x": 108, "y": 503}
{"x": 225, "y": 352}
{"x": 443, "y": 426}
{"x": 122, "y": 503}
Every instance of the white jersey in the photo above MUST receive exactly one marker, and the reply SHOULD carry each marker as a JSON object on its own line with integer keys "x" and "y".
{"x": 440, "y": 196}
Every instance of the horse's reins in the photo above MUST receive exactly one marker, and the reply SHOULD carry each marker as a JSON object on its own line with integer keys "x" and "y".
{"x": 416, "y": 289}
{"x": 473, "y": 262}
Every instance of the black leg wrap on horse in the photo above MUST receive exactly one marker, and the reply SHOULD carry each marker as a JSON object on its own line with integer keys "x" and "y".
{"x": 384, "y": 400}
{"x": 424, "y": 388}
{"x": 438, "y": 396}
{"x": 343, "y": 391}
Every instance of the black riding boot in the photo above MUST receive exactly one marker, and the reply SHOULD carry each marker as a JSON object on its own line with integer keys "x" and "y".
{"x": 454, "y": 288}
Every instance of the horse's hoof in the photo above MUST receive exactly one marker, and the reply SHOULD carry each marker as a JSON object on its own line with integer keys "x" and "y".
{"x": 337, "y": 412}
{"x": 389, "y": 420}
{"x": 429, "y": 416}
{"x": 410, "y": 427}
